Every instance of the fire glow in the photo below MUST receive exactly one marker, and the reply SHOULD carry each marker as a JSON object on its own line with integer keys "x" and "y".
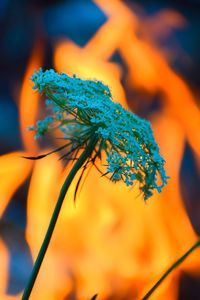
{"x": 110, "y": 243}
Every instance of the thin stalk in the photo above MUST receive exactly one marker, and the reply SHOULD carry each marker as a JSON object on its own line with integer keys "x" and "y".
{"x": 79, "y": 163}
{"x": 175, "y": 264}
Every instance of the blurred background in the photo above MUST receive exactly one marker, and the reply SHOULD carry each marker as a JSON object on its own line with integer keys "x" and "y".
{"x": 110, "y": 243}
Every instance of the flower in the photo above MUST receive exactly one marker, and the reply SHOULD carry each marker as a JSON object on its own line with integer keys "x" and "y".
{"x": 82, "y": 109}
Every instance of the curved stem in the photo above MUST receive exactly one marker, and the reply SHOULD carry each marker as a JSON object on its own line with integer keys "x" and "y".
{"x": 79, "y": 163}
{"x": 176, "y": 264}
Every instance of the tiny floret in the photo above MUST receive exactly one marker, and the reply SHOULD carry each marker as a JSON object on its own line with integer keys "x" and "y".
{"x": 84, "y": 108}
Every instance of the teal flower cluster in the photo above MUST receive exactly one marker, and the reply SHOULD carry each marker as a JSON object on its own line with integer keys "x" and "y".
{"x": 82, "y": 109}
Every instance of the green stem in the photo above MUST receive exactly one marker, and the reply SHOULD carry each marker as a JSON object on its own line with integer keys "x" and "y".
{"x": 79, "y": 163}
{"x": 175, "y": 264}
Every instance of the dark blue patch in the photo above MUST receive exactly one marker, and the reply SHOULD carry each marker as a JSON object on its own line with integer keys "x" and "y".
{"x": 77, "y": 20}
{"x": 190, "y": 187}
{"x": 12, "y": 232}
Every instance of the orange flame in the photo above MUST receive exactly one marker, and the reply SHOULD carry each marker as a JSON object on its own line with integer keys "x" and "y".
{"x": 45, "y": 180}
{"x": 111, "y": 243}
{"x": 4, "y": 264}
{"x": 149, "y": 70}
{"x": 11, "y": 166}
{"x": 28, "y": 104}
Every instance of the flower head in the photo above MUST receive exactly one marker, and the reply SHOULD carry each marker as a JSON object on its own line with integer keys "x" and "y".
{"x": 84, "y": 108}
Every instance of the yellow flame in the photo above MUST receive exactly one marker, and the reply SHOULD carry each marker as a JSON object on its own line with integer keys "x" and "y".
{"x": 110, "y": 243}
{"x": 43, "y": 192}
{"x": 13, "y": 172}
